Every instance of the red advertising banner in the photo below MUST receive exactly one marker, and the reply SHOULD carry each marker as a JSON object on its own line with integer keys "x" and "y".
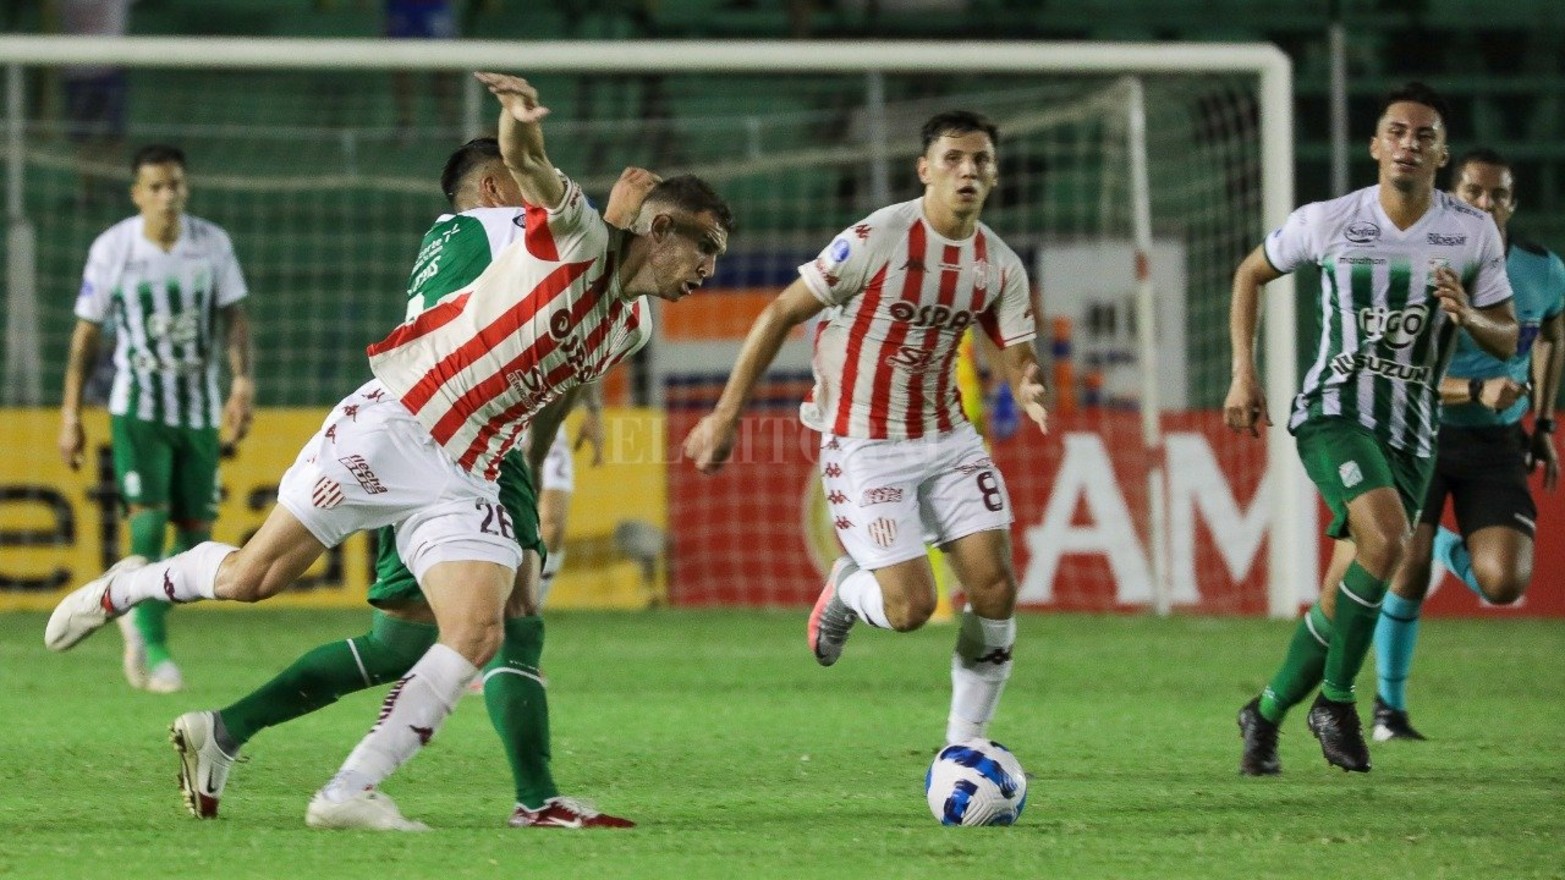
{"x": 754, "y": 535}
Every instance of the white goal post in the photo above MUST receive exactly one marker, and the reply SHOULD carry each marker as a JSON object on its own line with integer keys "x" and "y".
{"x": 1293, "y": 543}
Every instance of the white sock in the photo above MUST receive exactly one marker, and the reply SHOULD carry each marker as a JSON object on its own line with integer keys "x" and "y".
{"x": 551, "y": 567}
{"x": 412, "y": 712}
{"x": 861, "y": 592}
{"x": 980, "y": 666}
{"x": 184, "y": 577}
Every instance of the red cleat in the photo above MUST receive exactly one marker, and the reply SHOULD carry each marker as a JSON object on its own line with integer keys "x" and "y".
{"x": 564, "y": 812}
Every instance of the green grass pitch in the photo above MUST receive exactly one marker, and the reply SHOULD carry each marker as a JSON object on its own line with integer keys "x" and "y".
{"x": 742, "y": 759}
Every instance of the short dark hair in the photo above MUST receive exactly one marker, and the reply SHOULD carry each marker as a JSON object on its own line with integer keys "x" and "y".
{"x": 690, "y": 193}
{"x": 1417, "y": 93}
{"x": 472, "y": 155}
{"x": 958, "y": 122}
{"x": 157, "y": 154}
{"x": 1482, "y": 155}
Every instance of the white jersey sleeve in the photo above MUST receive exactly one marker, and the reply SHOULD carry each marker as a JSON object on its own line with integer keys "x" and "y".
{"x": 563, "y": 227}
{"x": 843, "y": 268}
{"x": 1010, "y": 321}
{"x": 1491, "y": 285}
{"x": 105, "y": 262}
{"x": 230, "y": 279}
{"x": 1294, "y": 243}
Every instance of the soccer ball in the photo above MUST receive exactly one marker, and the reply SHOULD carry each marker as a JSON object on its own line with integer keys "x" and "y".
{"x": 976, "y": 782}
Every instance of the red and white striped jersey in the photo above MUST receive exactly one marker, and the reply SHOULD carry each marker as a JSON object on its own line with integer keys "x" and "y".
{"x": 546, "y": 316}
{"x": 899, "y": 297}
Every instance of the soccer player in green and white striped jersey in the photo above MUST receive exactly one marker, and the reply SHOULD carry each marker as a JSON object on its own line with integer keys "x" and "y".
{"x": 167, "y": 282}
{"x": 1402, "y": 267}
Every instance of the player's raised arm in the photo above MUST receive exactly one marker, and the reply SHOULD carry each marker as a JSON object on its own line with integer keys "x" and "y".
{"x": 521, "y": 139}
{"x": 711, "y": 441}
{"x": 1245, "y": 408}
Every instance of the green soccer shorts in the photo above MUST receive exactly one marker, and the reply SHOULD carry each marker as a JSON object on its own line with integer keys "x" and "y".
{"x": 1345, "y": 460}
{"x": 394, "y": 585}
{"x": 156, "y": 465}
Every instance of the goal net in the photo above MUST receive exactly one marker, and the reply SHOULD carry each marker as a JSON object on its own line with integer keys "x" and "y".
{"x": 1131, "y": 183}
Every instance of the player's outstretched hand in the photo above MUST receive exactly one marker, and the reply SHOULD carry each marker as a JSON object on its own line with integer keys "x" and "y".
{"x": 1541, "y": 451}
{"x": 72, "y": 441}
{"x": 710, "y": 443}
{"x": 517, "y": 97}
{"x": 1033, "y": 396}
{"x": 629, "y": 192}
{"x": 1245, "y": 408}
{"x": 1453, "y": 297}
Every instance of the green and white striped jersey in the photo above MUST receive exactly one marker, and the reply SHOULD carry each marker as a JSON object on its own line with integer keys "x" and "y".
{"x": 164, "y": 308}
{"x": 1384, "y": 341}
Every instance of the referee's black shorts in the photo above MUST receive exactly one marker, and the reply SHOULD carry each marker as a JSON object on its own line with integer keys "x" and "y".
{"x": 1484, "y": 471}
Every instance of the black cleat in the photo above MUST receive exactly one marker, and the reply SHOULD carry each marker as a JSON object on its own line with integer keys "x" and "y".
{"x": 1341, "y": 734}
{"x": 1260, "y": 742}
{"x": 1392, "y": 723}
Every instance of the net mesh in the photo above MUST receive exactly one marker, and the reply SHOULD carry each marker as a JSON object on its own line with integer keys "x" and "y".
{"x": 326, "y": 197}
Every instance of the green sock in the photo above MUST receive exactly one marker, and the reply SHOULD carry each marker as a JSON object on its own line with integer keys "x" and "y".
{"x": 1358, "y": 610}
{"x": 519, "y": 707}
{"x": 147, "y": 528}
{"x": 1301, "y": 666}
{"x": 321, "y": 676}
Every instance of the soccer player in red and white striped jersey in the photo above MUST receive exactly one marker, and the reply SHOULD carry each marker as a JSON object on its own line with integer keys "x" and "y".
{"x": 418, "y": 446}
{"x": 900, "y": 462}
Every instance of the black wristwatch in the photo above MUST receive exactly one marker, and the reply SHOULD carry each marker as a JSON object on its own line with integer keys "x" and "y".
{"x": 1543, "y": 425}
{"x": 1475, "y": 390}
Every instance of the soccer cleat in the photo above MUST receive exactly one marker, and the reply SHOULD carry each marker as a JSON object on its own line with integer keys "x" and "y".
{"x": 830, "y": 621}
{"x": 1260, "y": 742}
{"x": 1341, "y": 734}
{"x": 84, "y": 612}
{"x": 369, "y": 810}
{"x": 134, "y": 661}
{"x": 165, "y": 678}
{"x": 1392, "y": 723}
{"x": 565, "y": 812}
{"x": 203, "y": 765}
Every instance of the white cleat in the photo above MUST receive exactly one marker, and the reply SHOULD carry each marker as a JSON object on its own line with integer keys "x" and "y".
{"x": 135, "y": 659}
{"x": 368, "y": 810}
{"x": 165, "y": 678}
{"x": 82, "y": 612}
{"x": 203, "y": 765}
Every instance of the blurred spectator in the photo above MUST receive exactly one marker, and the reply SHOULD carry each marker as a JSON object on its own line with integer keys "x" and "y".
{"x": 95, "y": 94}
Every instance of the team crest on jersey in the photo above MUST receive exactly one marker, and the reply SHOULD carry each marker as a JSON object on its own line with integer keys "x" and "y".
{"x": 327, "y": 493}
{"x": 840, "y": 249}
{"x": 1361, "y": 232}
{"x": 883, "y": 531}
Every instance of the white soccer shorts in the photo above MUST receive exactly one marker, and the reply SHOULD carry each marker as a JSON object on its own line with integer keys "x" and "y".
{"x": 888, "y": 498}
{"x": 372, "y": 464}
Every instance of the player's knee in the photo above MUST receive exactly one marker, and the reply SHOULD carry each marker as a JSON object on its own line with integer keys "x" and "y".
{"x": 910, "y": 612}
{"x": 476, "y": 640}
{"x": 1382, "y": 548}
{"x": 1501, "y": 584}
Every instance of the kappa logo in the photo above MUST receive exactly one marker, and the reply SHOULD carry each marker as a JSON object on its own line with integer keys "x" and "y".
{"x": 375, "y": 395}
{"x": 1350, "y": 474}
{"x": 361, "y": 471}
{"x": 168, "y": 586}
{"x": 351, "y": 411}
{"x": 862, "y": 231}
{"x": 842, "y": 523}
{"x": 834, "y": 497}
{"x": 424, "y": 733}
{"x": 832, "y": 469}
{"x": 1445, "y": 239}
{"x": 999, "y": 657}
{"x": 1361, "y": 232}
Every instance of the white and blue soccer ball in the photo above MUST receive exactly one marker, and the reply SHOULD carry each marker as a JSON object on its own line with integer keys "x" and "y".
{"x": 976, "y": 782}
